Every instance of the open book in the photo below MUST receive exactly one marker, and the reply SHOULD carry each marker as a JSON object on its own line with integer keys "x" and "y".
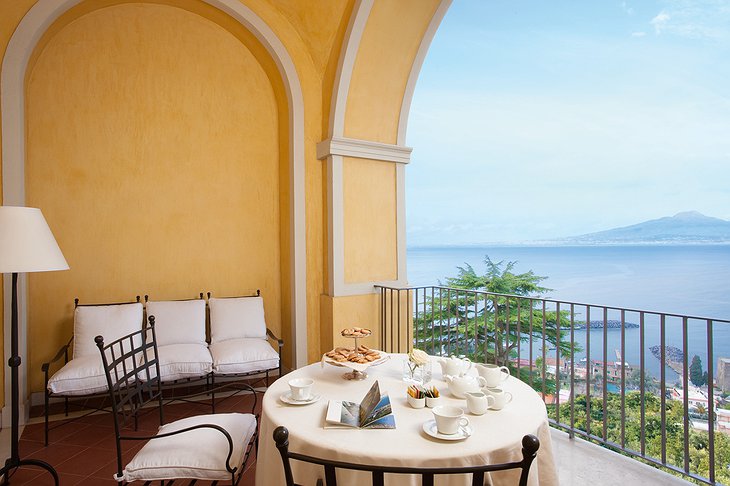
{"x": 373, "y": 412}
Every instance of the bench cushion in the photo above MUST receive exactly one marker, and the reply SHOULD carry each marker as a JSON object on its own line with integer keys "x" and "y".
{"x": 199, "y": 453}
{"x": 179, "y": 361}
{"x": 110, "y": 321}
{"x": 236, "y": 318}
{"x": 80, "y": 376}
{"x": 243, "y": 356}
{"x": 178, "y": 321}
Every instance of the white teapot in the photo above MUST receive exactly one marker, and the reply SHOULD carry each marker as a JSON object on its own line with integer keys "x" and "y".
{"x": 454, "y": 366}
{"x": 459, "y": 386}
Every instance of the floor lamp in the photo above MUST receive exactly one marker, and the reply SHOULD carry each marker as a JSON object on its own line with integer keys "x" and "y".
{"x": 26, "y": 245}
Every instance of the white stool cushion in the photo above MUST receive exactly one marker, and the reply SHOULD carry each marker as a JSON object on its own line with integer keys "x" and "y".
{"x": 199, "y": 453}
{"x": 178, "y": 361}
{"x": 111, "y": 321}
{"x": 235, "y": 318}
{"x": 80, "y": 376}
{"x": 178, "y": 322}
{"x": 243, "y": 356}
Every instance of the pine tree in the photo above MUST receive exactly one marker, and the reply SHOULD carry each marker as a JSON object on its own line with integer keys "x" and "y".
{"x": 695, "y": 371}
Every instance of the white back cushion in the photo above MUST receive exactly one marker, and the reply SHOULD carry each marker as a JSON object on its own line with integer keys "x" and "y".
{"x": 236, "y": 318}
{"x": 110, "y": 321}
{"x": 178, "y": 322}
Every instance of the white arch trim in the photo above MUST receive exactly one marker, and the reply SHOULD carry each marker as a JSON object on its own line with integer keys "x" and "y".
{"x": 12, "y": 99}
{"x": 405, "y": 108}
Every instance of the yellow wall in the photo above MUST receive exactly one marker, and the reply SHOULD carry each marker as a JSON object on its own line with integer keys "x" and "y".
{"x": 370, "y": 217}
{"x": 153, "y": 150}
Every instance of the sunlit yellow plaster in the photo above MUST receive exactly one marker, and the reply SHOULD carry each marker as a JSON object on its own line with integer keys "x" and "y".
{"x": 370, "y": 218}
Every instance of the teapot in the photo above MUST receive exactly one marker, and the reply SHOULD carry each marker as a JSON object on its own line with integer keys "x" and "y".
{"x": 454, "y": 366}
{"x": 459, "y": 386}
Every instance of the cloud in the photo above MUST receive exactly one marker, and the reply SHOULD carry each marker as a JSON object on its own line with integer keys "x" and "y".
{"x": 629, "y": 10}
{"x": 638, "y": 34}
{"x": 660, "y": 21}
{"x": 694, "y": 19}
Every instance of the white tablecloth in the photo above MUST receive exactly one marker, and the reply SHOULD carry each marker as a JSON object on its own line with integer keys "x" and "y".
{"x": 497, "y": 434}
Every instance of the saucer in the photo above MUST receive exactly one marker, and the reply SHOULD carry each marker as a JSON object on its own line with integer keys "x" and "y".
{"x": 287, "y": 398}
{"x": 430, "y": 428}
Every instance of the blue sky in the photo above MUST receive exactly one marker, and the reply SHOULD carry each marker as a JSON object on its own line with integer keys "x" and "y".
{"x": 541, "y": 119}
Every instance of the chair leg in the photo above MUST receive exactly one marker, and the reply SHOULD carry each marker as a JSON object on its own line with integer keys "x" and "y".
{"x": 45, "y": 413}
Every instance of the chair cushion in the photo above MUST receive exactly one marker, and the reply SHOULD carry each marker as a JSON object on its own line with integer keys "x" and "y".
{"x": 110, "y": 321}
{"x": 243, "y": 356}
{"x": 199, "y": 454}
{"x": 178, "y": 361}
{"x": 235, "y": 318}
{"x": 80, "y": 376}
{"x": 178, "y": 322}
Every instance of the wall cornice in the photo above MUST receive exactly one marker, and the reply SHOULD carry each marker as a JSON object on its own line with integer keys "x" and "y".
{"x": 363, "y": 149}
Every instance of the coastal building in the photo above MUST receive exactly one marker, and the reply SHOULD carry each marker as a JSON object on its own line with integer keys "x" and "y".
{"x": 723, "y": 420}
{"x": 723, "y": 374}
{"x": 695, "y": 396}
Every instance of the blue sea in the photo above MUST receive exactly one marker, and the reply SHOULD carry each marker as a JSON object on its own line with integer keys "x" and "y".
{"x": 689, "y": 280}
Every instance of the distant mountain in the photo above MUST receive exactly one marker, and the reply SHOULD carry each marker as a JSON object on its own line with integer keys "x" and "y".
{"x": 686, "y": 227}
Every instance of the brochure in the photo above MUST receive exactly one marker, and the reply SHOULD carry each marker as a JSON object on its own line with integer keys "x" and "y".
{"x": 373, "y": 412}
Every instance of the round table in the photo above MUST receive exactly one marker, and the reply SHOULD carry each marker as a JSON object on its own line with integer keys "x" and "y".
{"x": 497, "y": 434}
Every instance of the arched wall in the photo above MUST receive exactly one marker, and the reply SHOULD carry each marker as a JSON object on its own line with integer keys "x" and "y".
{"x": 30, "y": 31}
{"x": 366, "y": 155}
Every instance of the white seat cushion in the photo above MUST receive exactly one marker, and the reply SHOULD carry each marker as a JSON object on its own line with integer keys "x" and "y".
{"x": 110, "y": 321}
{"x": 243, "y": 356}
{"x": 199, "y": 453}
{"x": 178, "y": 322}
{"x": 178, "y": 361}
{"x": 236, "y": 318}
{"x": 80, "y": 376}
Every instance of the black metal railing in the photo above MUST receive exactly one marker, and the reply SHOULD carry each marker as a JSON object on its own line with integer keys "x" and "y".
{"x": 640, "y": 403}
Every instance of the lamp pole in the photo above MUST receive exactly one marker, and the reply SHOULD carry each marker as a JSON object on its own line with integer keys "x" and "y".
{"x": 14, "y": 461}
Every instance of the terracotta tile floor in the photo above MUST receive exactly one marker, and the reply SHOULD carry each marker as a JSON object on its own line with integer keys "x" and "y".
{"x": 83, "y": 452}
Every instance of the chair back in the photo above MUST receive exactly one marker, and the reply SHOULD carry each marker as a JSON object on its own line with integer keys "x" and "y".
{"x": 132, "y": 368}
{"x": 530, "y": 445}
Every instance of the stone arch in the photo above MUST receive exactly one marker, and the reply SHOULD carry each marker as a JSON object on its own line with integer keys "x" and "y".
{"x": 12, "y": 79}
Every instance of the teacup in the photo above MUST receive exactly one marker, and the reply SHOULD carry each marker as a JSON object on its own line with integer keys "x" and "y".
{"x": 501, "y": 397}
{"x": 449, "y": 419}
{"x": 493, "y": 373}
{"x": 478, "y": 402}
{"x": 301, "y": 388}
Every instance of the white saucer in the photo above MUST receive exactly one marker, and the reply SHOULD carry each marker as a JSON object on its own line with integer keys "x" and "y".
{"x": 430, "y": 428}
{"x": 287, "y": 398}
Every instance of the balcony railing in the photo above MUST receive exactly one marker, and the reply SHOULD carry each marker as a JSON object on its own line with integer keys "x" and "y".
{"x": 615, "y": 376}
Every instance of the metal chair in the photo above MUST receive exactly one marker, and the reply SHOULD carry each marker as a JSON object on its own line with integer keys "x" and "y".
{"x": 204, "y": 447}
{"x": 530, "y": 445}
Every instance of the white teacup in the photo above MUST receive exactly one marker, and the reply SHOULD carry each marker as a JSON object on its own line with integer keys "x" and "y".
{"x": 493, "y": 374}
{"x": 478, "y": 402}
{"x": 449, "y": 419}
{"x": 301, "y": 388}
{"x": 501, "y": 397}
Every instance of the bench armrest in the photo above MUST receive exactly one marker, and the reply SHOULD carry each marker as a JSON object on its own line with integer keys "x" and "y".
{"x": 62, "y": 353}
{"x": 271, "y": 335}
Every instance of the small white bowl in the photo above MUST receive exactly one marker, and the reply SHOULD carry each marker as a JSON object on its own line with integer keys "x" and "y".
{"x": 433, "y": 401}
{"x": 416, "y": 402}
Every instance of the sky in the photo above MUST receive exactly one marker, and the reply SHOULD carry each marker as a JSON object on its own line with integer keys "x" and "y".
{"x": 538, "y": 119}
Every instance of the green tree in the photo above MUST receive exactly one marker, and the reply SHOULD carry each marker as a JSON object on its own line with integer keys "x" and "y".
{"x": 488, "y": 316}
{"x": 695, "y": 371}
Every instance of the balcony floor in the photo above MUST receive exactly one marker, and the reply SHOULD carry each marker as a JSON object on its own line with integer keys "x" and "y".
{"x": 84, "y": 453}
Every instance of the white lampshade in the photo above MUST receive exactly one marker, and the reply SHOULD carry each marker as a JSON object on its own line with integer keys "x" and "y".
{"x": 26, "y": 242}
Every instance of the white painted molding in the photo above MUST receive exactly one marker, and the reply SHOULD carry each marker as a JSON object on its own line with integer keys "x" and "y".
{"x": 343, "y": 75}
{"x": 363, "y": 149}
{"x": 405, "y": 108}
{"x": 12, "y": 101}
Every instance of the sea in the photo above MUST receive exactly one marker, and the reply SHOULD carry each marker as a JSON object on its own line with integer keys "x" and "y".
{"x": 692, "y": 280}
